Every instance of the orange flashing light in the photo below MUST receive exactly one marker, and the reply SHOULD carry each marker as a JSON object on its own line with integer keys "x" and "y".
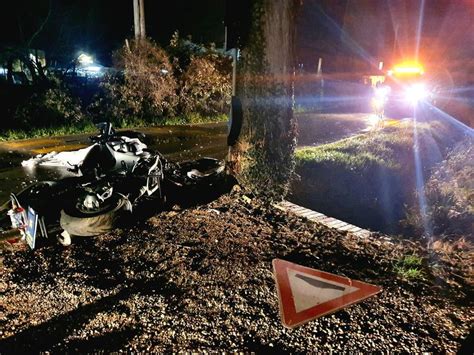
{"x": 407, "y": 68}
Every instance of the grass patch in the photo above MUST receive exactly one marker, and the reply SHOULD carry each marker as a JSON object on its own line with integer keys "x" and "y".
{"x": 367, "y": 180}
{"x": 343, "y": 154}
{"x": 382, "y": 148}
{"x": 89, "y": 127}
{"x": 391, "y": 147}
{"x": 195, "y": 118}
{"x": 410, "y": 267}
{"x": 10, "y": 135}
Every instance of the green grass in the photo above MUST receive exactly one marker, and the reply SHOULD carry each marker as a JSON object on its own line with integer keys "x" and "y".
{"x": 195, "y": 118}
{"x": 368, "y": 179}
{"x": 10, "y": 135}
{"x": 391, "y": 148}
{"x": 89, "y": 127}
{"x": 410, "y": 267}
{"x": 357, "y": 152}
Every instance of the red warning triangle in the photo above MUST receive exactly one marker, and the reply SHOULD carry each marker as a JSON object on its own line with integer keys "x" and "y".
{"x": 305, "y": 294}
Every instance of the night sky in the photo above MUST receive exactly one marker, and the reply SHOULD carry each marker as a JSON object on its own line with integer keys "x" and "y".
{"x": 100, "y": 26}
{"x": 362, "y": 29}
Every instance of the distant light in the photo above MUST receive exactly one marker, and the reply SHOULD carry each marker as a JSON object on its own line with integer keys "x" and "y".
{"x": 93, "y": 68}
{"x": 408, "y": 70}
{"x": 85, "y": 59}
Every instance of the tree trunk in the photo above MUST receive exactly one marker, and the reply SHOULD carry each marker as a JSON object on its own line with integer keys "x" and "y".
{"x": 263, "y": 160}
{"x": 31, "y": 68}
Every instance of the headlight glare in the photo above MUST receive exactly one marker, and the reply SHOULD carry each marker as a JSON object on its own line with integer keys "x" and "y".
{"x": 416, "y": 93}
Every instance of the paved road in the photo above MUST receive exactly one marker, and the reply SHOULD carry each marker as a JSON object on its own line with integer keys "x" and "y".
{"x": 322, "y": 128}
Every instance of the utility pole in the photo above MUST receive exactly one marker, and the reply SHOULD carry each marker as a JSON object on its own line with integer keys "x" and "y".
{"x": 139, "y": 18}
{"x": 142, "y": 19}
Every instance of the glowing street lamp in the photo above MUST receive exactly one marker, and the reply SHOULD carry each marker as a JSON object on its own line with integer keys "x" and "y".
{"x": 85, "y": 59}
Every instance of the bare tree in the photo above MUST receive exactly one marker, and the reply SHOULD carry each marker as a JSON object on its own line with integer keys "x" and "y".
{"x": 27, "y": 33}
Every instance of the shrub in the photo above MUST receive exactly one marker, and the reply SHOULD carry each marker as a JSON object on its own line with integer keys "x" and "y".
{"x": 204, "y": 76}
{"x": 116, "y": 102}
{"x": 205, "y": 86}
{"x": 182, "y": 50}
{"x": 51, "y": 107}
{"x": 143, "y": 87}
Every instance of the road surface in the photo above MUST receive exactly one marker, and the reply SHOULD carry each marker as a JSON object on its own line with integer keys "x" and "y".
{"x": 175, "y": 142}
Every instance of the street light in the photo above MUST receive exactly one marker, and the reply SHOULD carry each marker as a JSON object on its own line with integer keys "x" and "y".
{"x": 85, "y": 59}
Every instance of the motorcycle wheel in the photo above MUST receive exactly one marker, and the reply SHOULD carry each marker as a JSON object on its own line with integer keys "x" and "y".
{"x": 78, "y": 223}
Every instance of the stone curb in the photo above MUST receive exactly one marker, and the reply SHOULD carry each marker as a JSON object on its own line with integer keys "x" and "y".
{"x": 323, "y": 219}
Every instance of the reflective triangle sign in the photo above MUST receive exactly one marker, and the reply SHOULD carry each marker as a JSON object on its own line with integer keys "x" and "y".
{"x": 305, "y": 294}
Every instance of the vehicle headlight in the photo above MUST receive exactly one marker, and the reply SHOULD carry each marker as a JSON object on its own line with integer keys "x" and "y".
{"x": 381, "y": 93}
{"x": 416, "y": 93}
{"x": 378, "y": 103}
{"x": 380, "y": 97}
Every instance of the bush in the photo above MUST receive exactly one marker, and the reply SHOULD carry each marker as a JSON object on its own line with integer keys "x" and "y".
{"x": 204, "y": 77}
{"x": 205, "y": 87}
{"x": 48, "y": 108}
{"x": 182, "y": 51}
{"x": 144, "y": 86}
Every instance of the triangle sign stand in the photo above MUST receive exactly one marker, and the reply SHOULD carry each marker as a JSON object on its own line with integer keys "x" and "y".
{"x": 305, "y": 294}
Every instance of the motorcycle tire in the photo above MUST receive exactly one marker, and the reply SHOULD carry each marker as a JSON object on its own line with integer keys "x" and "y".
{"x": 77, "y": 223}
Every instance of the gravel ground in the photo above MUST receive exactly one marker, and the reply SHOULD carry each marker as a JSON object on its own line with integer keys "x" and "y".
{"x": 201, "y": 279}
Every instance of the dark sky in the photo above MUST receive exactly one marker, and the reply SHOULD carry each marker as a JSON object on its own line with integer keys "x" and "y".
{"x": 361, "y": 29}
{"x": 100, "y": 26}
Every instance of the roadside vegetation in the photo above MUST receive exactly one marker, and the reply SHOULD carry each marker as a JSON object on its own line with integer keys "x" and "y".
{"x": 374, "y": 181}
{"x": 185, "y": 83}
{"x": 447, "y": 219}
{"x": 449, "y": 195}
{"x": 369, "y": 179}
{"x": 409, "y": 267}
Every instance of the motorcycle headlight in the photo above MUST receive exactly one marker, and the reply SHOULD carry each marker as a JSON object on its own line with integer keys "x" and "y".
{"x": 416, "y": 93}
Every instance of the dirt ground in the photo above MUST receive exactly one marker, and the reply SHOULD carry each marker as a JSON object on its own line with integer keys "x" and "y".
{"x": 200, "y": 279}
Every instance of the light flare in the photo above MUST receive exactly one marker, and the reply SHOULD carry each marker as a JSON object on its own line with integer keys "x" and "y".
{"x": 416, "y": 93}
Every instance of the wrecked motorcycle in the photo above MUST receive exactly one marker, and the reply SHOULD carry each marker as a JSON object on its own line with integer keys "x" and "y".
{"x": 117, "y": 174}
